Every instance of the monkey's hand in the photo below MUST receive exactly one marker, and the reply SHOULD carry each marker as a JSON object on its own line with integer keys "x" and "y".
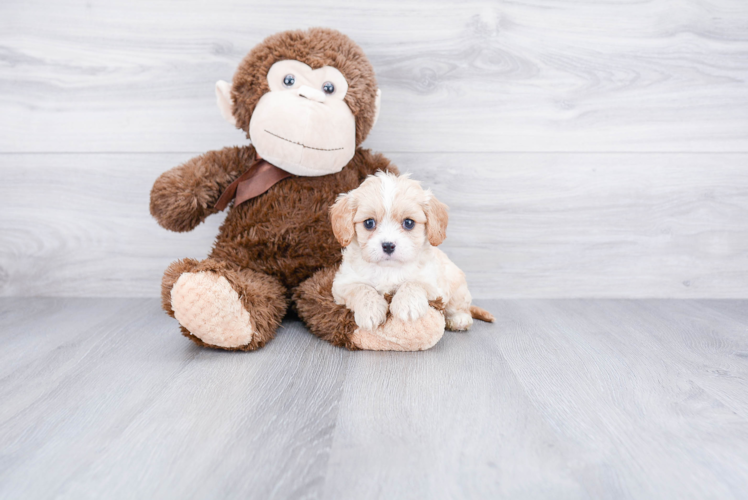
{"x": 184, "y": 196}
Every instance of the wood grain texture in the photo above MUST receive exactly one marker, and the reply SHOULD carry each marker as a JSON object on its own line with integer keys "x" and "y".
{"x": 538, "y": 75}
{"x": 112, "y": 401}
{"x": 521, "y": 225}
{"x": 605, "y": 377}
{"x": 558, "y": 399}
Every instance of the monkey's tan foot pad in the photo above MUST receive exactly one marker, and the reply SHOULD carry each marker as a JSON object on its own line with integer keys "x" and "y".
{"x": 398, "y": 335}
{"x": 206, "y": 305}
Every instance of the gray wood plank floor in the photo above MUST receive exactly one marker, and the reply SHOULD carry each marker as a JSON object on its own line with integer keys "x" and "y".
{"x": 102, "y": 398}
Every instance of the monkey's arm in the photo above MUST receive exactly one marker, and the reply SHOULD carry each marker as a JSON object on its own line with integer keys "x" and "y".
{"x": 184, "y": 196}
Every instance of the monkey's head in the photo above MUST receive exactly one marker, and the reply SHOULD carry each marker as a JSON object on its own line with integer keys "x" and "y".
{"x": 306, "y": 99}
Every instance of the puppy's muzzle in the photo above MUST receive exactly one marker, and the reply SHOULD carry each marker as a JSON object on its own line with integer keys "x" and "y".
{"x": 388, "y": 247}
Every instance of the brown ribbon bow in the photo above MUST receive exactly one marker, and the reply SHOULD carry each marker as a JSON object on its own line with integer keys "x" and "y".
{"x": 258, "y": 178}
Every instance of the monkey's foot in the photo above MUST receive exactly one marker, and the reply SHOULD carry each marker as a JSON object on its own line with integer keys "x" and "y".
{"x": 398, "y": 335}
{"x": 205, "y": 304}
{"x": 336, "y": 324}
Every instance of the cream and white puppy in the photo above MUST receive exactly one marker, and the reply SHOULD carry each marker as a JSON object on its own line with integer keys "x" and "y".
{"x": 389, "y": 227}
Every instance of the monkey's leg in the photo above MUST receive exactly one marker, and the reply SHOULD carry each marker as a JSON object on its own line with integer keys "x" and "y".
{"x": 222, "y": 306}
{"x": 335, "y": 323}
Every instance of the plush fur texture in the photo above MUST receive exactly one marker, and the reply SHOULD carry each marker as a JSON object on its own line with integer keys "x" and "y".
{"x": 269, "y": 244}
{"x": 207, "y": 303}
{"x": 286, "y": 232}
{"x": 334, "y": 323}
{"x": 261, "y": 295}
{"x": 327, "y": 320}
{"x": 270, "y": 247}
{"x": 185, "y": 196}
{"x": 316, "y": 47}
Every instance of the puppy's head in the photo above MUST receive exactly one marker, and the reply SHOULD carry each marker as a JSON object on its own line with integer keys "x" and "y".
{"x": 390, "y": 218}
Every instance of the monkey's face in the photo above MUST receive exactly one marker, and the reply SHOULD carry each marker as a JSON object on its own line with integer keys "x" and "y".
{"x": 307, "y": 100}
{"x": 302, "y": 124}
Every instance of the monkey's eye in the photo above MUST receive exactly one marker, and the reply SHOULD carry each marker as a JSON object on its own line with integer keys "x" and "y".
{"x": 409, "y": 224}
{"x": 289, "y": 80}
{"x": 370, "y": 224}
{"x": 328, "y": 87}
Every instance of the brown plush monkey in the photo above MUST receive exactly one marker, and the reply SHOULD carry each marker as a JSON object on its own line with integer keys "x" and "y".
{"x": 307, "y": 100}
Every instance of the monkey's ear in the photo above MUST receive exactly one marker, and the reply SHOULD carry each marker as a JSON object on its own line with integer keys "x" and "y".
{"x": 341, "y": 217}
{"x": 437, "y": 217}
{"x": 377, "y": 102}
{"x": 225, "y": 103}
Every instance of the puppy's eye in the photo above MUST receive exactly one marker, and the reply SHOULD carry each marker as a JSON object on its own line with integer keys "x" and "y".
{"x": 289, "y": 80}
{"x": 370, "y": 224}
{"x": 328, "y": 88}
{"x": 409, "y": 224}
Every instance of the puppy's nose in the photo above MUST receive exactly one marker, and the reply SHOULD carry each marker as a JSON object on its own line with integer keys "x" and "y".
{"x": 388, "y": 247}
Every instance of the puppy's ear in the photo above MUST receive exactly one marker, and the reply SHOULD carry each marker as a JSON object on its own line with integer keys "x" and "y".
{"x": 341, "y": 217}
{"x": 437, "y": 217}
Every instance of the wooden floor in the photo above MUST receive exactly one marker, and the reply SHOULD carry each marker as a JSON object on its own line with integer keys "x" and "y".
{"x": 102, "y": 398}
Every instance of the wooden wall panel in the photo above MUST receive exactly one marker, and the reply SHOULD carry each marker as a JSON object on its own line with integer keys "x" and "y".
{"x": 587, "y": 148}
{"x": 538, "y": 75}
{"x": 521, "y": 225}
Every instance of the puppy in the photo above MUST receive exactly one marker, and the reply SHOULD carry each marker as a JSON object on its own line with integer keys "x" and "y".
{"x": 389, "y": 227}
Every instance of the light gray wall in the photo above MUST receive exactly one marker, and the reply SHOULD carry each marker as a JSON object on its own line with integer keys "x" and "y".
{"x": 586, "y": 148}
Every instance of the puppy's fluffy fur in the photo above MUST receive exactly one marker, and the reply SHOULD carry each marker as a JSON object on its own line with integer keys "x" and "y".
{"x": 390, "y": 228}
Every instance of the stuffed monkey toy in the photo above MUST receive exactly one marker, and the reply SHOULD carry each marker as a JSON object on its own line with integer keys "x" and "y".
{"x": 306, "y": 100}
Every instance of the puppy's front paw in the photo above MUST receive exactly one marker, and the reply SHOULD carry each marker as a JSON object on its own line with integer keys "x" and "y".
{"x": 371, "y": 313}
{"x": 459, "y": 322}
{"x": 409, "y": 303}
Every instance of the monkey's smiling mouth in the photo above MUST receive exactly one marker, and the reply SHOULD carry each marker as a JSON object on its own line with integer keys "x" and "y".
{"x": 300, "y": 144}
